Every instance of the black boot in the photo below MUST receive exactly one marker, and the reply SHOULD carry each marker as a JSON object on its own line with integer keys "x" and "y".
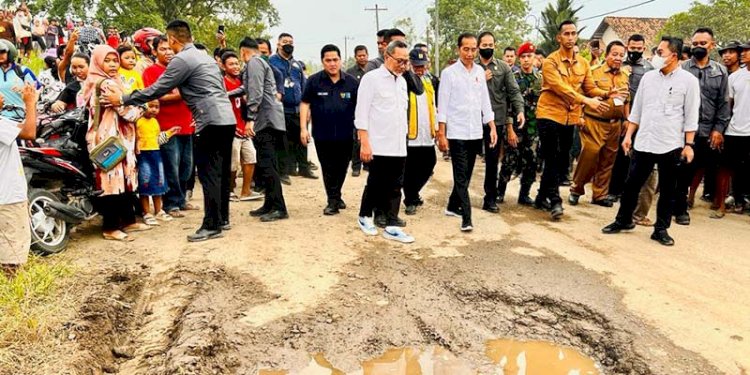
{"x": 523, "y": 196}
{"x": 501, "y": 186}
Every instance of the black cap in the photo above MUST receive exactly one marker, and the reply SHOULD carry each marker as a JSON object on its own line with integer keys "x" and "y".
{"x": 734, "y": 44}
{"x": 745, "y": 46}
{"x": 418, "y": 57}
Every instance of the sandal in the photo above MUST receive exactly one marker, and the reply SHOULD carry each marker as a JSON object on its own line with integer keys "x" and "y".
{"x": 645, "y": 222}
{"x": 717, "y": 215}
{"x": 136, "y": 227}
{"x": 163, "y": 216}
{"x": 117, "y": 235}
{"x": 150, "y": 220}
{"x": 190, "y": 207}
{"x": 176, "y": 213}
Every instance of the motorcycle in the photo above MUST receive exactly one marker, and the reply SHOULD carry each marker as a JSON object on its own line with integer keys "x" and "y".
{"x": 60, "y": 180}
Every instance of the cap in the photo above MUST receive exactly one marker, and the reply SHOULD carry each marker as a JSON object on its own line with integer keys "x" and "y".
{"x": 745, "y": 46}
{"x": 734, "y": 44}
{"x": 527, "y": 47}
{"x": 418, "y": 57}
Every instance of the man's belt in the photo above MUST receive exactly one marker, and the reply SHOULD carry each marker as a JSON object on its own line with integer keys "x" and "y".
{"x": 602, "y": 119}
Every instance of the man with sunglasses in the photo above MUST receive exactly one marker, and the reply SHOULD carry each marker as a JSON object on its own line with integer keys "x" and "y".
{"x": 713, "y": 122}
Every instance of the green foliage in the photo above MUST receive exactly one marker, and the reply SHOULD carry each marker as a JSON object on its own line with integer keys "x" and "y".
{"x": 407, "y": 26}
{"x": 552, "y": 17}
{"x": 504, "y": 18}
{"x": 728, "y": 19}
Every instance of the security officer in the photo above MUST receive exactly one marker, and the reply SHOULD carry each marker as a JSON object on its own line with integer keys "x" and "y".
{"x": 600, "y": 134}
{"x": 522, "y": 140}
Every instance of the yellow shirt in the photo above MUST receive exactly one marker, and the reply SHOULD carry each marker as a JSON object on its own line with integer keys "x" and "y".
{"x": 131, "y": 80}
{"x": 148, "y": 134}
{"x": 564, "y": 83}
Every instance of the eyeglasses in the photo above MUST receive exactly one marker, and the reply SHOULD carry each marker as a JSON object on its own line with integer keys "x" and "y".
{"x": 401, "y": 62}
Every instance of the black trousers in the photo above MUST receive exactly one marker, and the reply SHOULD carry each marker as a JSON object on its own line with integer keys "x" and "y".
{"x": 267, "y": 142}
{"x": 463, "y": 156}
{"x": 383, "y": 189}
{"x": 296, "y": 154}
{"x": 555, "y": 141}
{"x": 736, "y": 157}
{"x": 706, "y": 158}
{"x": 356, "y": 161}
{"x": 420, "y": 163}
{"x": 492, "y": 166}
{"x": 642, "y": 167}
{"x": 117, "y": 211}
{"x": 334, "y": 159}
{"x": 619, "y": 171}
{"x": 213, "y": 151}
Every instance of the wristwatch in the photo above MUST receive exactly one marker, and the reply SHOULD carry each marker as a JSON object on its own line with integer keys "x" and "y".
{"x": 691, "y": 144}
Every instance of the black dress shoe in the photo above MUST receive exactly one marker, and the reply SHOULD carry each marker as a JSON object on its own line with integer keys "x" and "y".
{"x": 617, "y": 228}
{"x": 226, "y": 226}
{"x": 491, "y": 208}
{"x": 613, "y": 197}
{"x": 273, "y": 216}
{"x": 542, "y": 204}
{"x": 397, "y": 223}
{"x": 341, "y": 205}
{"x": 308, "y": 174}
{"x": 356, "y": 173}
{"x": 381, "y": 221}
{"x": 707, "y": 197}
{"x": 294, "y": 173}
{"x": 573, "y": 199}
{"x": 556, "y": 212}
{"x": 259, "y": 212}
{"x": 603, "y": 202}
{"x": 500, "y": 199}
{"x": 313, "y": 166}
{"x": 565, "y": 182}
{"x": 411, "y": 209}
{"x": 662, "y": 237}
{"x": 285, "y": 180}
{"x": 420, "y": 202}
{"x": 204, "y": 234}
{"x": 525, "y": 200}
{"x": 683, "y": 219}
{"x": 331, "y": 209}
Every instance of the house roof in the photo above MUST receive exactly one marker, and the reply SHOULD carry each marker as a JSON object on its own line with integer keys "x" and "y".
{"x": 624, "y": 27}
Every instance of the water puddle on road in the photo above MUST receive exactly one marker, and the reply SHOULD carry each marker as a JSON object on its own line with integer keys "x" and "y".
{"x": 511, "y": 358}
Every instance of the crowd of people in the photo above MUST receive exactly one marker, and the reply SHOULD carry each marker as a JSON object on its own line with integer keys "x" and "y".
{"x": 627, "y": 124}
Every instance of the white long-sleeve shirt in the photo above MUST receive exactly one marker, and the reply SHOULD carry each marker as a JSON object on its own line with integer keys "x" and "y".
{"x": 665, "y": 108}
{"x": 464, "y": 102}
{"x": 382, "y": 100}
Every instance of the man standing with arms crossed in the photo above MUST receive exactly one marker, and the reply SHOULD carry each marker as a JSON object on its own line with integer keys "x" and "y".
{"x": 565, "y": 75}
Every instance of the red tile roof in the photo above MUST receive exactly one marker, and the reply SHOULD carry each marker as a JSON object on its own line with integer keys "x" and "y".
{"x": 624, "y": 27}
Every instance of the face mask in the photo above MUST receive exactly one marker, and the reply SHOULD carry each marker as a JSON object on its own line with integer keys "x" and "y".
{"x": 634, "y": 56}
{"x": 699, "y": 52}
{"x": 288, "y": 49}
{"x": 658, "y": 62}
{"x": 264, "y": 57}
{"x": 486, "y": 53}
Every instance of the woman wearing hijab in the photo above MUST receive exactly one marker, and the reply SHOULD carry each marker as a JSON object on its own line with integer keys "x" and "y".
{"x": 119, "y": 183}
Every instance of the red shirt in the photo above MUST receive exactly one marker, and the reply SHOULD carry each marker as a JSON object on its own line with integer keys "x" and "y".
{"x": 173, "y": 113}
{"x": 237, "y": 103}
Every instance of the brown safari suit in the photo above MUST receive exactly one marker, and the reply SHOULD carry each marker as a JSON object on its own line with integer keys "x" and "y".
{"x": 600, "y": 136}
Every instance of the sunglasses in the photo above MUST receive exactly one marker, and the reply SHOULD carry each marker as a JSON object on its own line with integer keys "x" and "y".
{"x": 401, "y": 62}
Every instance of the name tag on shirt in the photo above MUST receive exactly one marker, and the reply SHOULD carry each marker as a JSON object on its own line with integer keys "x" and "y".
{"x": 322, "y": 93}
{"x": 346, "y": 95}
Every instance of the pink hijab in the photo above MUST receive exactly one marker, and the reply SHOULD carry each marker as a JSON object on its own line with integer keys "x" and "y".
{"x": 96, "y": 71}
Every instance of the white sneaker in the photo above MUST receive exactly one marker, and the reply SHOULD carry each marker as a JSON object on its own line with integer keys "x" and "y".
{"x": 367, "y": 226}
{"x": 254, "y": 196}
{"x": 396, "y": 234}
{"x": 163, "y": 216}
{"x": 452, "y": 213}
{"x": 150, "y": 220}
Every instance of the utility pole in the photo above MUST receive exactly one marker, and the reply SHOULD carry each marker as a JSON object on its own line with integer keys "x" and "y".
{"x": 377, "y": 11}
{"x": 346, "y": 47}
{"x": 437, "y": 37}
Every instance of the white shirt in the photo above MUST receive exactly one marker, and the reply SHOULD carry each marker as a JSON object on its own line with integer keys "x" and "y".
{"x": 739, "y": 92}
{"x": 12, "y": 178}
{"x": 424, "y": 133}
{"x": 382, "y": 101}
{"x": 665, "y": 108}
{"x": 464, "y": 102}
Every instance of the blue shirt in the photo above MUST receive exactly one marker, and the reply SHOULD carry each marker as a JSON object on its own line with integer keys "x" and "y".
{"x": 10, "y": 79}
{"x": 331, "y": 105}
{"x": 293, "y": 78}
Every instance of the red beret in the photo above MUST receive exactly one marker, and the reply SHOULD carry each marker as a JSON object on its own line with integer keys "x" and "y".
{"x": 527, "y": 47}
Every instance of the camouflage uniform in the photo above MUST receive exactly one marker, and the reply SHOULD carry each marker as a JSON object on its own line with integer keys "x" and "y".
{"x": 522, "y": 160}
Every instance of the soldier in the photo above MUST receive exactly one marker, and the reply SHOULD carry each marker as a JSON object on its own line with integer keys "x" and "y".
{"x": 600, "y": 133}
{"x": 521, "y": 141}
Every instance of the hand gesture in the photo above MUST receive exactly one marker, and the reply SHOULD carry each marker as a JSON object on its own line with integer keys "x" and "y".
{"x": 29, "y": 94}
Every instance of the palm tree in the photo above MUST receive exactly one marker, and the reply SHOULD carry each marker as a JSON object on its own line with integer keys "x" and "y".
{"x": 552, "y": 17}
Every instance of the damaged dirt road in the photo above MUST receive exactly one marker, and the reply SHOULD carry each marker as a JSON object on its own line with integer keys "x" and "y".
{"x": 313, "y": 293}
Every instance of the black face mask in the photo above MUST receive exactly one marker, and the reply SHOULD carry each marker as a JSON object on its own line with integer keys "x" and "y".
{"x": 699, "y": 52}
{"x": 486, "y": 53}
{"x": 634, "y": 56}
{"x": 288, "y": 49}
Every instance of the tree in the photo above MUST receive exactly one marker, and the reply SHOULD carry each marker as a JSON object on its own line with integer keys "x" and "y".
{"x": 504, "y": 18}
{"x": 240, "y": 18}
{"x": 407, "y": 26}
{"x": 728, "y": 19}
{"x": 552, "y": 17}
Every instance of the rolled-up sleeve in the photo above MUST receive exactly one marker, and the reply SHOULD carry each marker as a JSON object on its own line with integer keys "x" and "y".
{"x": 365, "y": 95}
{"x": 692, "y": 106}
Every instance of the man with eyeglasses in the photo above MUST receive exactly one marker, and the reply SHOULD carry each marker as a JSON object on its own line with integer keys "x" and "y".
{"x": 713, "y": 122}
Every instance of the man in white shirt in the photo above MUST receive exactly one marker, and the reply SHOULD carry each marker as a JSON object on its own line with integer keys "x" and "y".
{"x": 464, "y": 105}
{"x": 381, "y": 122}
{"x": 736, "y": 152}
{"x": 665, "y": 113}
{"x": 15, "y": 234}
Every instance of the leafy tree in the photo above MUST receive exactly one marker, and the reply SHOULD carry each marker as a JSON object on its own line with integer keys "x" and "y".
{"x": 504, "y": 18}
{"x": 407, "y": 26}
{"x": 728, "y": 19}
{"x": 552, "y": 17}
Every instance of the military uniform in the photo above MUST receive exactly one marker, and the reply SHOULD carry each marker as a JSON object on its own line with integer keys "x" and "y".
{"x": 522, "y": 159}
{"x": 600, "y": 137}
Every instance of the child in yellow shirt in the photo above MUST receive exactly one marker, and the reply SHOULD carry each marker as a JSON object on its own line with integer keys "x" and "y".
{"x": 151, "y": 181}
{"x": 131, "y": 78}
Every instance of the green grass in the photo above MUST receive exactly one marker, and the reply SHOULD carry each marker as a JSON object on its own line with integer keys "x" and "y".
{"x": 29, "y": 303}
{"x": 35, "y": 62}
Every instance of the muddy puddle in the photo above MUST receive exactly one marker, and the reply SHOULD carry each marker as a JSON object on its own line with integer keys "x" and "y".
{"x": 507, "y": 357}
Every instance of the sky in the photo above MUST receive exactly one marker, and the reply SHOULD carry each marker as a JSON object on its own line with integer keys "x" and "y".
{"x": 314, "y": 23}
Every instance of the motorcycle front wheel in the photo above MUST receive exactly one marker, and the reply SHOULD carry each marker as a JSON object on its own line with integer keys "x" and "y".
{"x": 48, "y": 234}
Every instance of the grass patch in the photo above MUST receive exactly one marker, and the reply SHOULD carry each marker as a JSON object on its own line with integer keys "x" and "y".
{"x": 35, "y": 62}
{"x": 30, "y": 304}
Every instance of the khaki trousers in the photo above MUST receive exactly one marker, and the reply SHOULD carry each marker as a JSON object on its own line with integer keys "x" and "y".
{"x": 599, "y": 144}
{"x": 15, "y": 233}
